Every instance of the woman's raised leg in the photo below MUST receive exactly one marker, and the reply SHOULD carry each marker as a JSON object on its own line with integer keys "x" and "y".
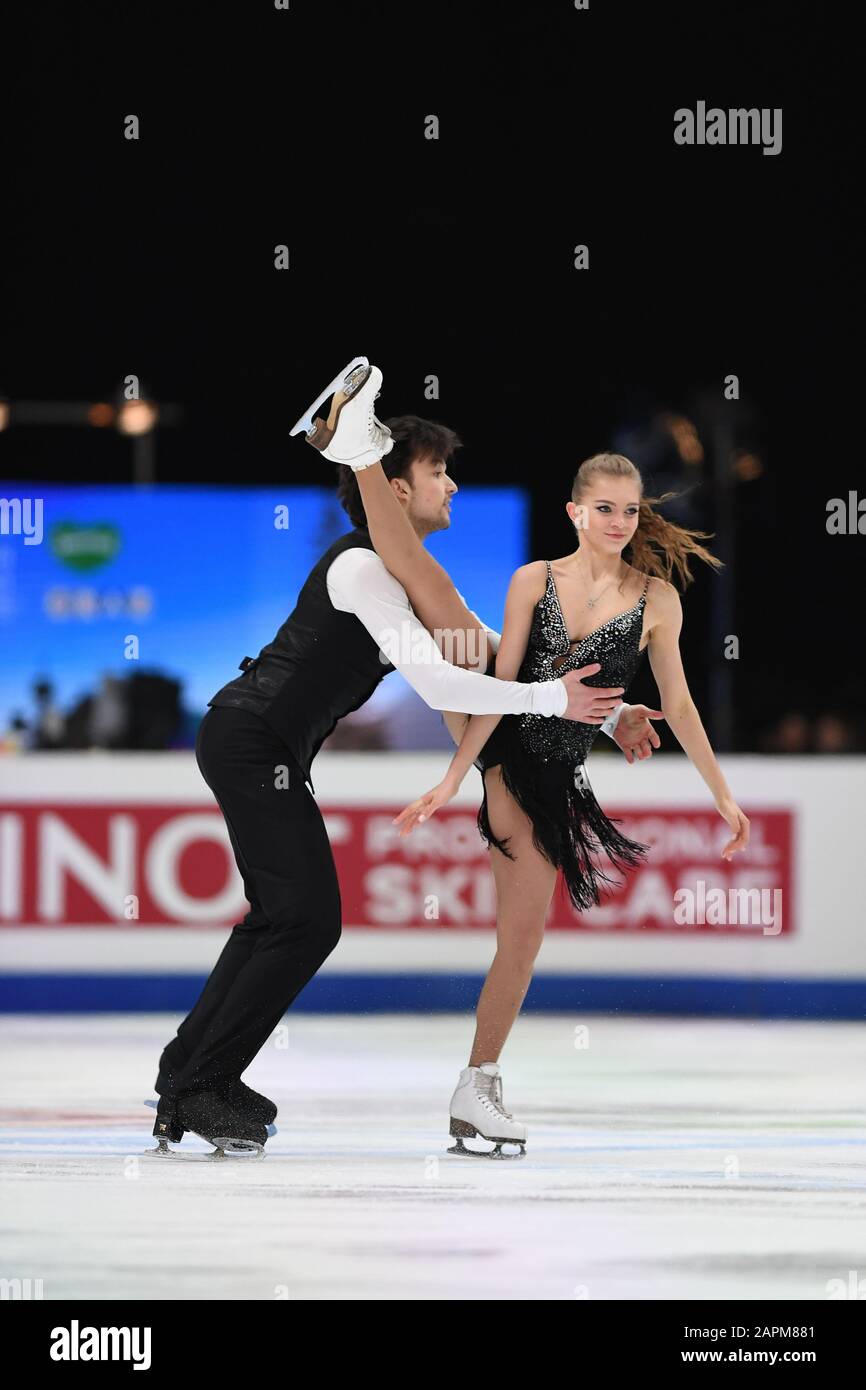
{"x": 459, "y": 636}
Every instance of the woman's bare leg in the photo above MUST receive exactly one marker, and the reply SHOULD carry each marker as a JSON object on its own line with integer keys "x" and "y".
{"x": 524, "y": 888}
{"x": 460, "y": 638}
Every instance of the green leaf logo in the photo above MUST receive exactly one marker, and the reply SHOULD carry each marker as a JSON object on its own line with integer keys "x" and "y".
{"x": 84, "y": 548}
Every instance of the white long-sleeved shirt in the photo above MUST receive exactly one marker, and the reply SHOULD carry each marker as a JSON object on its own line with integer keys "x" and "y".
{"x": 359, "y": 583}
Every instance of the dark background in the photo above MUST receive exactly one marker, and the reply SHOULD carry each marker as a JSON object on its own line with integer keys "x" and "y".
{"x": 455, "y": 258}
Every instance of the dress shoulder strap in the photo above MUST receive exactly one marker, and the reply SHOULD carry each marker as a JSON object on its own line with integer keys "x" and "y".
{"x": 645, "y": 587}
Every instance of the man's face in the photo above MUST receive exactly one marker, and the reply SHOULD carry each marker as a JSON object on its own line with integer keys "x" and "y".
{"x": 429, "y": 502}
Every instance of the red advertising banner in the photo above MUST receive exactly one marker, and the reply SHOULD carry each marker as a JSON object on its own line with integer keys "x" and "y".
{"x": 171, "y": 865}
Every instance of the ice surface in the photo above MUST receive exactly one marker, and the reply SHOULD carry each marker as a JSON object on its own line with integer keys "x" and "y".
{"x": 667, "y": 1158}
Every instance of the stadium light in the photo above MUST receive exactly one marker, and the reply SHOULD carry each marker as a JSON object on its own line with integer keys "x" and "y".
{"x": 137, "y": 417}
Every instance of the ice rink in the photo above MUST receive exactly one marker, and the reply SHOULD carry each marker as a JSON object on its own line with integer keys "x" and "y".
{"x": 667, "y": 1158}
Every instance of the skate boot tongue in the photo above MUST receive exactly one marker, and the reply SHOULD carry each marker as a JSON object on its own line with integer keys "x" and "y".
{"x": 493, "y": 1087}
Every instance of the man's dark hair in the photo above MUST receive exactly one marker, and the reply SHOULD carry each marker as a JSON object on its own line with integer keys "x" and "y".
{"x": 413, "y": 438}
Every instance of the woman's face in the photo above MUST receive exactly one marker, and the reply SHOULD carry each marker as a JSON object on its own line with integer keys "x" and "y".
{"x": 607, "y": 515}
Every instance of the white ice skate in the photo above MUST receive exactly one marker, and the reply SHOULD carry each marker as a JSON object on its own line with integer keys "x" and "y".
{"x": 351, "y": 434}
{"x": 477, "y": 1112}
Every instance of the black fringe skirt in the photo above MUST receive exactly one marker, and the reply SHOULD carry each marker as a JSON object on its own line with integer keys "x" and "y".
{"x": 569, "y": 827}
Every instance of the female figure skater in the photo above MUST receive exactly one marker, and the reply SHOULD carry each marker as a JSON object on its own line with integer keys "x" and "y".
{"x": 539, "y": 814}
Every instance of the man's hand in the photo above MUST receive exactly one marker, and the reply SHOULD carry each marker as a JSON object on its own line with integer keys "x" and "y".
{"x": 634, "y": 733}
{"x": 589, "y": 704}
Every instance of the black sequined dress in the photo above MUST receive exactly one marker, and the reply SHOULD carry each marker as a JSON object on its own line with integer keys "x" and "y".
{"x": 542, "y": 757}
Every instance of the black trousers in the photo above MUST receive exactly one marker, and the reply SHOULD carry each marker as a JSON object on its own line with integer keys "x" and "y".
{"x": 283, "y": 854}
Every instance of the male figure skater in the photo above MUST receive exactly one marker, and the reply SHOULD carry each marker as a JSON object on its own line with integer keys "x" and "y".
{"x": 257, "y": 741}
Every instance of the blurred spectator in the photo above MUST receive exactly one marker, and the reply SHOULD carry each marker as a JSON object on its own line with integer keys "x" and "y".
{"x": 16, "y": 737}
{"x": 796, "y": 732}
{"x": 834, "y": 734}
{"x": 108, "y": 717}
{"x": 668, "y": 450}
{"x": 142, "y": 710}
{"x": 49, "y": 725}
{"x": 357, "y": 736}
{"x": 789, "y": 735}
{"x": 153, "y": 710}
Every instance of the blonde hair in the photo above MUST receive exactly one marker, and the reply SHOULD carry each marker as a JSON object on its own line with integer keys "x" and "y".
{"x": 658, "y": 546}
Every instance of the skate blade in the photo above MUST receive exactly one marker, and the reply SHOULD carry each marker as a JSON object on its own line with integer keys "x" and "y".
{"x": 272, "y": 1129}
{"x": 162, "y": 1151}
{"x": 460, "y": 1151}
{"x": 233, "y": 1148}
{"x": 185, "y": 1155}
{"x": 223, "y": 1149}
{"x": 306, "y": 421}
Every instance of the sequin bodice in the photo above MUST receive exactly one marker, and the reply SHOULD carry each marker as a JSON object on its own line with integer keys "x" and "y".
{"x": 615, "y": 644}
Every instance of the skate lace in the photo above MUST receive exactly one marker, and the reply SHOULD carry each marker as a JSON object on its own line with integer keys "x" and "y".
{"x": 375, "y": 432}
{"x": 490, "y": 1096}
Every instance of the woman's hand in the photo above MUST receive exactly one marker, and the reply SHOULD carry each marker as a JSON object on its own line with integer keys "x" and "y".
{"x": 423, "y": 808}
{"x": 634, "y": 733}
{"x": 730, "y": 811}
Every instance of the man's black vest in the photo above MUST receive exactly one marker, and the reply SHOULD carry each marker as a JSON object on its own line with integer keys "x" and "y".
{"x": 321, "y": 665}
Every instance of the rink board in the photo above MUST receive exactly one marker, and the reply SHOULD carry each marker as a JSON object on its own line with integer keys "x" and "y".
{"x": 118, "y": 887}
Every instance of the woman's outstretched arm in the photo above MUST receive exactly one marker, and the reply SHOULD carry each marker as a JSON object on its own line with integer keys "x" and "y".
{"x": 682, "y": 716}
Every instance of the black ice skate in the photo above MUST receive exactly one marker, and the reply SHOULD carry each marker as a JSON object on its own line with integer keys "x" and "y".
{"x": 179, "y": 1131}
{"x": 253, "y": 1103}
{"x": 205, "y": 1113}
